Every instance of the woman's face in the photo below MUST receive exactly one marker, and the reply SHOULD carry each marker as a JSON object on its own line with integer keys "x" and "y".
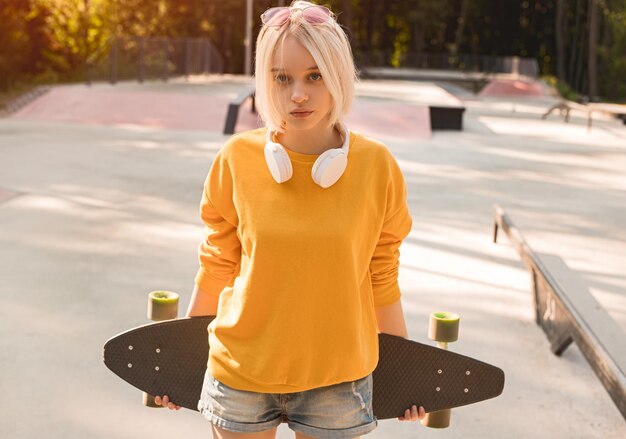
{"x": 298, "y": 88}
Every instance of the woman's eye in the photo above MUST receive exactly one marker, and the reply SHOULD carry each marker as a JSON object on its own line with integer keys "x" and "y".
{"x": 316, "y": 76}
{"x": 280, "y": 78}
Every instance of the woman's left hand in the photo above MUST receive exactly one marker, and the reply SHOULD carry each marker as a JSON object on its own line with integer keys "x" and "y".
{"x": 413, "y": 414}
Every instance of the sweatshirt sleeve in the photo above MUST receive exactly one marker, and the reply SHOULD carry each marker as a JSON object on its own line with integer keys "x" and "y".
{"x": 220, "y": 251}
{"x": 396, "y": 226}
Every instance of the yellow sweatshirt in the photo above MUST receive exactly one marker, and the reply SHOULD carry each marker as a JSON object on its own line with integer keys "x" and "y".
{"x": 298, "y": 268}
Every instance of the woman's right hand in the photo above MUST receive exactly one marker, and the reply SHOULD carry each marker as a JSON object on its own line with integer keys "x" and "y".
{"x": 165, "y": 402}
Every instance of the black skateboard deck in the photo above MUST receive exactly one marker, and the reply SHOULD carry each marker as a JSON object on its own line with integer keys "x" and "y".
{"x": 170, "y": 358}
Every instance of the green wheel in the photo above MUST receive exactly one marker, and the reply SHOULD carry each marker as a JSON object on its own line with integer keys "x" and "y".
{"x": 439, "y": 419}
{"x": 162, "y": 305}
{"x": 443, "y": 327}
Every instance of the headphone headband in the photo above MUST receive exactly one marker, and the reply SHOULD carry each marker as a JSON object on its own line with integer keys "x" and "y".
{"x": 269, "y": 137}
{"x": 327, "y": 169}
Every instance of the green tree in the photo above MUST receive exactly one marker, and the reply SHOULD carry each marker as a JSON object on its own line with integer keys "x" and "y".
{"x": 74, "y": 30}
{"x": 612, "y": 51}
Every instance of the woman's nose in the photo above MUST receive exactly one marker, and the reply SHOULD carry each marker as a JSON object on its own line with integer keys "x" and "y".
{"x": 298, "y": 94}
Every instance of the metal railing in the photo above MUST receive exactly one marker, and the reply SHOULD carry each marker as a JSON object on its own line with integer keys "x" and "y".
{"x": 143, "y": 58}
{"x": 567, "y": 312}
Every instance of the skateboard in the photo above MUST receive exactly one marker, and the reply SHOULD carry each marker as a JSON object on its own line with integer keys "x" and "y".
{"x": 169, "y": 357}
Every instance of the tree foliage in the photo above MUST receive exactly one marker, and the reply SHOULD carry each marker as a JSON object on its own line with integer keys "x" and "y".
{"x": 16, "y": 41}
{"x": 57, "y": 38}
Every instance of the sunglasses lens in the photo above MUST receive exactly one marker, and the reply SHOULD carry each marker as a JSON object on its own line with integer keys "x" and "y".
{"x": 316, "y": 14}
{"x": 275, "y": 16}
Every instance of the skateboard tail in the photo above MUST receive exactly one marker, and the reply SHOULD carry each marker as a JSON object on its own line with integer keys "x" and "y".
{"x": 166, "y": 358}
{"x": 411, "y": 373}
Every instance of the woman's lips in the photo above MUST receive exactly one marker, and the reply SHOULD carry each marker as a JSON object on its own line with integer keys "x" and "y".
{"x": 301, "y": 114}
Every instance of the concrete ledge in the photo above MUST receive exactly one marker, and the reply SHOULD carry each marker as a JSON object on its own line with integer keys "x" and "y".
{"x": 567, "y": 312}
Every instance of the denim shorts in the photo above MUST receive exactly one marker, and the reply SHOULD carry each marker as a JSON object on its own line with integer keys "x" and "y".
{"x": 340, "y": 411}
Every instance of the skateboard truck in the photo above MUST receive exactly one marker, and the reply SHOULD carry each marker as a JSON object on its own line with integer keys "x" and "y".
{"x": 162, "y": 305}
{"x": 443, "y": 328}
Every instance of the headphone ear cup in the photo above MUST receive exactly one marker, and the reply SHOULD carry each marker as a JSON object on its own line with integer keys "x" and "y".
{"x": 329, "y": 167}
{"x": 278, "y": 162}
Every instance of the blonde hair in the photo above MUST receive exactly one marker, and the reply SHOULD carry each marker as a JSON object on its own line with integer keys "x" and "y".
{"x": 328, "y": 45}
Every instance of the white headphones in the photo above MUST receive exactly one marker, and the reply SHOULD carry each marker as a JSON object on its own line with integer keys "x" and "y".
{"x": 327, "y": 169}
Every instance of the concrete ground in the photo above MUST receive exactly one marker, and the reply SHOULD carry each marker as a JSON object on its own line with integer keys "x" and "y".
{"x": 99, "y": 206}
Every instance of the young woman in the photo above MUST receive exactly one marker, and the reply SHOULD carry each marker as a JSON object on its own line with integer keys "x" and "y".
{"x": 304, "y": 219}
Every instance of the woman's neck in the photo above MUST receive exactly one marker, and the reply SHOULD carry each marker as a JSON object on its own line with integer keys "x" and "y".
{"x": 310, "y": 141}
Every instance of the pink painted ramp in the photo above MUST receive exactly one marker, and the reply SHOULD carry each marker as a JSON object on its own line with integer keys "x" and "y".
{"x": 389, "y": 119}
{"x": 514, "y": 87}
{"x": 112, "y": 106}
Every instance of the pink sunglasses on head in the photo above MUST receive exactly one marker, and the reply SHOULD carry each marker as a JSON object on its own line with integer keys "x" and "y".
{"x": 312, "y": 14}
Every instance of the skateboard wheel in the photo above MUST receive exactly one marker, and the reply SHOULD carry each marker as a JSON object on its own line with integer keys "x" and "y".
{"x": 148, "y": 401}
{"x": 443, "y": 327}
{"x": 162, "y": 305}
{"x": 439, "y": 419}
